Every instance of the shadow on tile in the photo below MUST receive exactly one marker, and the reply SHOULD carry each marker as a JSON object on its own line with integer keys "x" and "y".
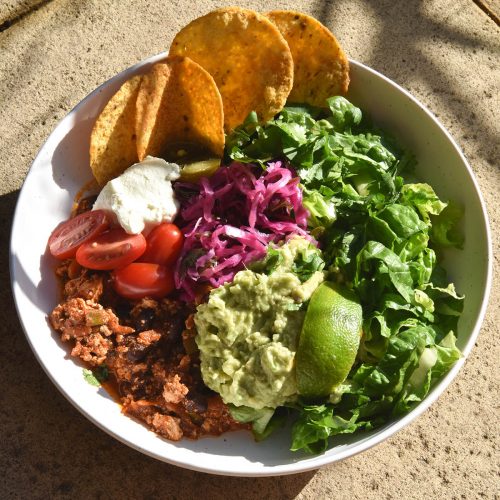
{"x": 410, "y": 44}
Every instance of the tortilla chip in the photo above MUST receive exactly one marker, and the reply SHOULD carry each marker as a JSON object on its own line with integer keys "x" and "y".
{"x": 178, "y": 104}
{"x": 112, "y": 142}
{"x": 248, "y": 58}
{"x": 321, "y": 67}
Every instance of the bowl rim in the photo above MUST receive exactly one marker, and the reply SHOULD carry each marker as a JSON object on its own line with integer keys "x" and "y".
{"x": 320, "y": 460}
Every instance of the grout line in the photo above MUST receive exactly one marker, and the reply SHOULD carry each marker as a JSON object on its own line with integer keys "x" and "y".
{"x": 21, "y": 15}
{"x": 485, "y": 7}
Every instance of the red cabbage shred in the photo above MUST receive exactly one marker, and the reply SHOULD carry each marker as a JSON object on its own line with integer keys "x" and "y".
{"x": 229, "y": 219}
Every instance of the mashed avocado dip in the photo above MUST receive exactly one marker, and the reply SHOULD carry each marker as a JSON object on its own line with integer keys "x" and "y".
{"x": 248, "y": 329}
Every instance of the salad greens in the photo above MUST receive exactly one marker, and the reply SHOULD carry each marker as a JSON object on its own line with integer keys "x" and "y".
{"x": 379, "y": 236}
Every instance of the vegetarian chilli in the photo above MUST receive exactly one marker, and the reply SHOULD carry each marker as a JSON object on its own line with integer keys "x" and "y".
{"x": 267, "y": 260}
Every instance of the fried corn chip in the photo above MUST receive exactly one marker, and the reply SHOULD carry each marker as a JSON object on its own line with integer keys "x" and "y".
{"x": 321, "y": 67}
{"x": 178, "y": 104}
{"x": 113, "y": 141}
{"x": 248, "y": 58}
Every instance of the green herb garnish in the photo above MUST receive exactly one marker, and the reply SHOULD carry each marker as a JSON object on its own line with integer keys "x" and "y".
{"x": 97, "y": 376}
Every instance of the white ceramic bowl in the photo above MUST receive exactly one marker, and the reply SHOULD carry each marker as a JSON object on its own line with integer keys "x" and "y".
{"x": 62, "y": 168}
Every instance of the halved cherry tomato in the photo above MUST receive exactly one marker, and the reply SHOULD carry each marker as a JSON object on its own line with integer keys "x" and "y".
{"x": 164, "y": 244}
{"x": 111, "y": 250}
{"x": 70, "y": 234}
{"x": 141, "y": 279}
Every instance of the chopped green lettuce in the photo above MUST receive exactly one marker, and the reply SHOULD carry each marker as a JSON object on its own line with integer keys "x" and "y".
{"x": 264, "y": 421}
{"x": 381, "y": 237}
{"x": 445, "y": 229}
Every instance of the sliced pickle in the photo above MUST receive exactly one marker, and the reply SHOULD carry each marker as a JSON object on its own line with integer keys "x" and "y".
{"x": 196, "y": 170}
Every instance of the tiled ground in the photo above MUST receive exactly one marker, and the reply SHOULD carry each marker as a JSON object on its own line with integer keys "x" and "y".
{"x": 446, "y": 52}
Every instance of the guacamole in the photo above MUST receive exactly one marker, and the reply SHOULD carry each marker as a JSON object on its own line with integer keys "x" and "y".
{"x": 248, "y": 330}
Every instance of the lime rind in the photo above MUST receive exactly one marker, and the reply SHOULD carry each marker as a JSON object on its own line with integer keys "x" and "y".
{"x": 329, "y": 340}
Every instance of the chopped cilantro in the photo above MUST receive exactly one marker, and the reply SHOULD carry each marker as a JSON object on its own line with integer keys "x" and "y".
{"x": 98, "y": 375}
{"x": 273, "y": 260}
{"x": 306, "y": 264}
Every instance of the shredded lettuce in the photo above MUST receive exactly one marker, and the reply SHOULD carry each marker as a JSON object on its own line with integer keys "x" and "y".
{"x": 264, "y": 421}
{"x": 381, "y": 237}
{"x": 445, "y": 227}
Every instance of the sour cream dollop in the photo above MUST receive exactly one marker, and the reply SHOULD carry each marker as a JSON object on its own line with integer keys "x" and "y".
{"x": 142, "y": 197}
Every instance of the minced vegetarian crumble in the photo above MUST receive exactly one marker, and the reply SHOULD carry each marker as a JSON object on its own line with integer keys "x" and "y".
{"x": 149, "y": 352}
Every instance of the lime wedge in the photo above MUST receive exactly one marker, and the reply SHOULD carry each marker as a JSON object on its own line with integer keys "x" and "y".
{"x": 329, "y": 340}
{"x": 191, "y": 172}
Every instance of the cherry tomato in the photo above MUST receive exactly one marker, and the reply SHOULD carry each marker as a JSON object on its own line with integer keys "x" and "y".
{"x": 70, "y": 234}
{"x": 141, "y": 279}
{"x": 111, "y": 250}
{"x": 164, "y": 244}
